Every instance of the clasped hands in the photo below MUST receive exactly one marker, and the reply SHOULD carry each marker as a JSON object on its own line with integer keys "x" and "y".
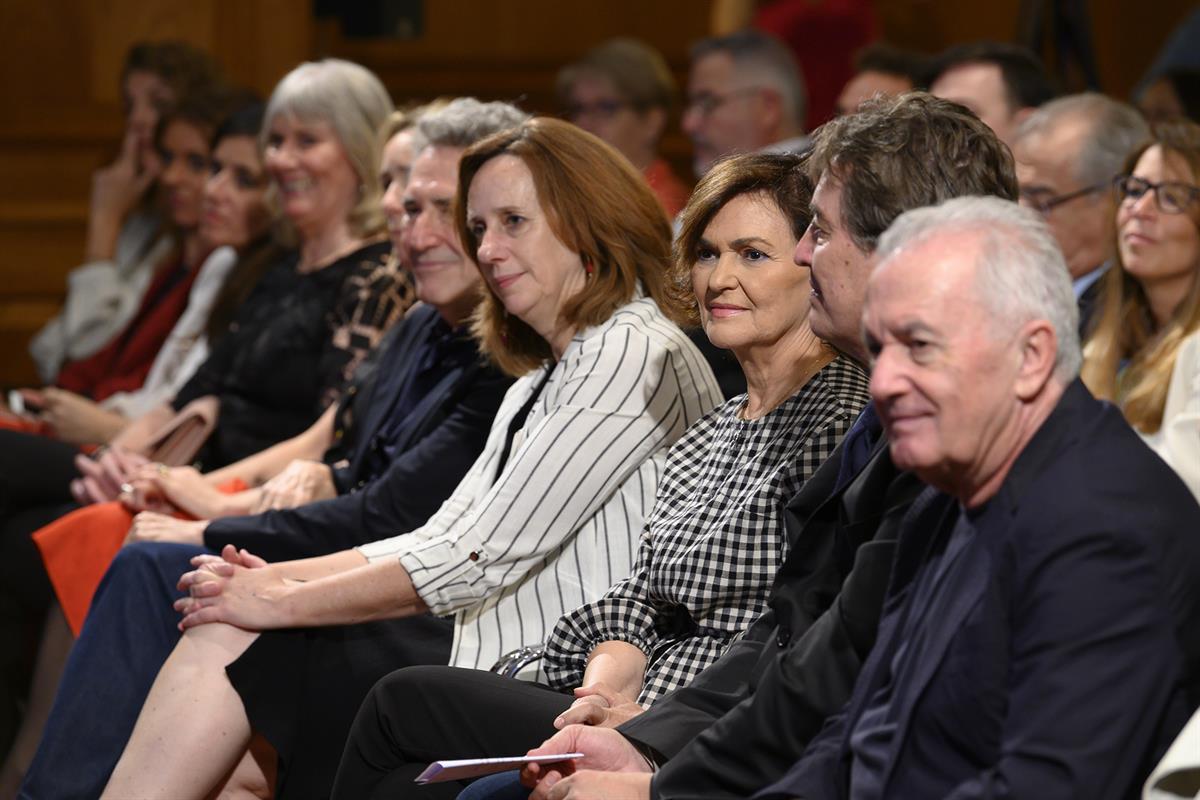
{"x": 235, "y": 587}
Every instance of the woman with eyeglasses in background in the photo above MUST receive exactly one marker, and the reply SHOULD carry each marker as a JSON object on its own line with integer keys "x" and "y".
{"x": 623, "y": 92}
{"x": 1144, "y": 352}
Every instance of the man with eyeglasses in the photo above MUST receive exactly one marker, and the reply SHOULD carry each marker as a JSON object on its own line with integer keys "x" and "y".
{"x": 1067, "y": 154}
{"x": 745, "y": 93}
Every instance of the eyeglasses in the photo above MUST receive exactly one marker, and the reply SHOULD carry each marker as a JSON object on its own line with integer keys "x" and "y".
{"x": 706, "y": 103}
{"x": 1045, "y": 202}
{"x": 1172, "y": 197}
{"x": 603, "y": 109}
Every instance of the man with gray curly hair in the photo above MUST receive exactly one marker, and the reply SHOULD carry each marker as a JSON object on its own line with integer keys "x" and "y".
{"x": 1033, "y": 637}
{"x": 464, "y": 121}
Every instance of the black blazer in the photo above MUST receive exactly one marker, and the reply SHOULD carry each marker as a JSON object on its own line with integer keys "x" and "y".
{"x": 439, "y": 440}
{"x": 743, "y": 721}
{"x": 1062, "y": 654}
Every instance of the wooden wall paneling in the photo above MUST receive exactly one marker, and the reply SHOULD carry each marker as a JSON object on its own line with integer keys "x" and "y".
{"x": 484, "y": 49}
{"x": 1128, "y": 37}
{"x": 60, "y": 118}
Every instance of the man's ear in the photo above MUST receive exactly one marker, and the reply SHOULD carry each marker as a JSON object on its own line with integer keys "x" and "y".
{"x": 771, "y": 114}
{"x": 655, "y": 120}
{"x": 1039, "y": 351}
{"x": 1022, "y": 114}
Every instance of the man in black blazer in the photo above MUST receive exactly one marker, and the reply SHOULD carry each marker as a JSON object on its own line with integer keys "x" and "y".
{"x": 745, "y": 719}
{"x": 1040, "y": 633}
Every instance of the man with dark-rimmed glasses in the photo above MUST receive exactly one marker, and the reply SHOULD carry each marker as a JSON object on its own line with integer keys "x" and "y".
{"x": 1068, "y": 153}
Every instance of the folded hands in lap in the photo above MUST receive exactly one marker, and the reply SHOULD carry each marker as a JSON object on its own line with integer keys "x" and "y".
{"x": 600, "y": 705}
{"x": 105, "y": 478}
{"x": 236, "y": 588}
{"x": 159, "y": 488}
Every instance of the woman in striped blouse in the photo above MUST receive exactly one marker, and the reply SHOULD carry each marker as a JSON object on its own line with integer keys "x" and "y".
{"x": 715, "y": 538}
{"x": 572, "y": 245}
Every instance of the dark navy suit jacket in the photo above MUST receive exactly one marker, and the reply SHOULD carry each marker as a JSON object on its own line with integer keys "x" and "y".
{"x": 1063, "y": 654}
{"x": 436, "y": 444}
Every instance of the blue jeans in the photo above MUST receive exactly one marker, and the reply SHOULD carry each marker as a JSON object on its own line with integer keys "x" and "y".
{"x": 502, "y": 786}
{"x": 129, "y": 632}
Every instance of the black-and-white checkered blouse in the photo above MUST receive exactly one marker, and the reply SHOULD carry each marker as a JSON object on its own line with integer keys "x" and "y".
{"x": 715, "y": 538}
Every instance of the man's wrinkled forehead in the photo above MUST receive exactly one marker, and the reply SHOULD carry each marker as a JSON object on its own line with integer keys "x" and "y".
{"x": 434, "y": 175}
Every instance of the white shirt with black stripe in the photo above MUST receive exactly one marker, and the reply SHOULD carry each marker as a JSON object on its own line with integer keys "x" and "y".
{"x": 560, "y": 524}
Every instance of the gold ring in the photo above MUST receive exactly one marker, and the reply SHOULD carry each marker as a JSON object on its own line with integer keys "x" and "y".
{"x": 162, "y": 469}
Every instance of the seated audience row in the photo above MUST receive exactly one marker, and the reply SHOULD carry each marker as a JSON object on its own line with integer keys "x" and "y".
{"x": 318, "y": 308}
{"x": 742, "y": 605}
{"x": 1021, "y": 564}
{"x": 639, "y": 417}
{"x": 125, "y": 238}
{"x": 713, "y": 541}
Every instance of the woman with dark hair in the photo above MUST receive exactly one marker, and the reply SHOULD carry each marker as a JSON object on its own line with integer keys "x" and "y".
{"x": 232, "y": 219}
{"x": 572, "y": 246}
{"x": 711, "y": 546}
{"x": 1144, "y": 351}
{"x": 232, "y": 227}
{"x": 125, "y": 237}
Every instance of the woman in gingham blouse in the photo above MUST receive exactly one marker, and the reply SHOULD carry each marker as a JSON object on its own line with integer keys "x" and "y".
{"x": 715, "y": 536}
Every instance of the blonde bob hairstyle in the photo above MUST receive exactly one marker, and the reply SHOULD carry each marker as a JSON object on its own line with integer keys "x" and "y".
{"x": 353, "y": 103}
{"x": 1125, "y": 330}
{"x": 597, "y": 205}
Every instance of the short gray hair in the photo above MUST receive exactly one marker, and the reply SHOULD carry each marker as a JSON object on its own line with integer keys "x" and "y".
{"x": 1021, "y": 272}
{"x": 353, "y": 102}
{"x": 464, "y": 121}
{"x": 769, "y": 58}
{"x": 1114, "y": 130}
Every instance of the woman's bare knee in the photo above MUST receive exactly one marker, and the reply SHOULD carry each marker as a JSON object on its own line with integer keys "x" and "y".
{"x": 253, "y": 778}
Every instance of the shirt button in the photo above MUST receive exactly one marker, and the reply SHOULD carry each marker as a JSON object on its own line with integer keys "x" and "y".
{"x": 783, "y": 637}
{"x": 474, "y": 555}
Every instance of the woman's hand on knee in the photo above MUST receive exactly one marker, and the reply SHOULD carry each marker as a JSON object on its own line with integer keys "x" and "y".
{"x": 151, "y": 527}
{"x": 600, "y": 705}
{"x": 235, "y": 589}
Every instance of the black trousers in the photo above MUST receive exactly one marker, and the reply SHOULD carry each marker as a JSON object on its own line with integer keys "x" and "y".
{"x": 422, "y": 714}
{"x": 35, "y": 477}
{"x": 34, "y": 471}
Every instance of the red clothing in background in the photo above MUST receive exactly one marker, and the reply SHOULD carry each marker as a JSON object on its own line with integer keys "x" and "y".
{"x": 669, "y": 190}
{"x": 824, "y": 35}
{"x": 124, "y": 362}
